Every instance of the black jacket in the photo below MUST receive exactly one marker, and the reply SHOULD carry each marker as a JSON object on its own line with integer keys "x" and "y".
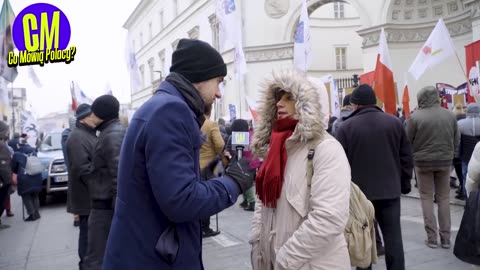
{"x": 103, "y": 188}
{"x": 5, "y": 164}
{"x": 79, "y": 149}
{"x": 379, "y": 153}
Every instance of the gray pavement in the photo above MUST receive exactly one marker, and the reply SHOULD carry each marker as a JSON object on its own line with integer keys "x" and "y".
{"x": 51, "y": 242}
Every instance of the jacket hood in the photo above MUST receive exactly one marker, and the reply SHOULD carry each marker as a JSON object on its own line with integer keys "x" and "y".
{"x": 428, "y": 97}
{"x": 473, "y": 110}
{"x": 310, "y": 126}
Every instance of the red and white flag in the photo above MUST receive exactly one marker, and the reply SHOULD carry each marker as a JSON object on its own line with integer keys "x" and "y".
{"x": 406, "y": 100}
{"x": 78, "y": 96}
{"x": 252, "y": 107}
{"x": 384, "y": 85}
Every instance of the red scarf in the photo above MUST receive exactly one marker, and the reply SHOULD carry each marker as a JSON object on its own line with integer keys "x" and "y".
{"x": 269, "y": 179}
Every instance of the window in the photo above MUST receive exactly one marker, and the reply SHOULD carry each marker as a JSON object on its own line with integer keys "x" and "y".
{"x": 162, "y": 19}
{"x": 215, "y": 31}
{"x": 150, "y": 66}
{"x": 142, "y": 75}
{"x": 150, "y": 31}
{"x": 175, "y": 8}
{"x": 161, "y": 56}
{"x": 339, "y": 10}
{"x": 141, "y": 40}
{"x": 341, "y": 57}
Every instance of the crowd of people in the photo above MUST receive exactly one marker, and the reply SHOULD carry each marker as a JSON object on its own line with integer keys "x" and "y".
{"x": 323, "y": 195}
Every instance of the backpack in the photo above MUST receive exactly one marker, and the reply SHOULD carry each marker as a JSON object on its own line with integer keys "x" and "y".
{"x": 33, "y": 166}
{"x": 360, "y": 230}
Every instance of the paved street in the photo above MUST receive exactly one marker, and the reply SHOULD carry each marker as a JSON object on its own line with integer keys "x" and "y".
{"x": 51, "y": 242}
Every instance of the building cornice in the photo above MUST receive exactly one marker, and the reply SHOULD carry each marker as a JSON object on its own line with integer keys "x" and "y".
{"x": 264, "y": 53}
{"x": 416, "y": 32}
{"x": 137, "y": 12}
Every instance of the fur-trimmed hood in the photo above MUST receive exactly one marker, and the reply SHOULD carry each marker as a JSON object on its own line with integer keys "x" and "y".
{"x": 310, "y": 126}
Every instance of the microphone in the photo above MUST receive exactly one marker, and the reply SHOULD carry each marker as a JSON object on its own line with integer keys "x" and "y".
{"x": 240, "y": 142}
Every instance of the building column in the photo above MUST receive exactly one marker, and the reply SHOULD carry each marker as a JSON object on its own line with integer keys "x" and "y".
{"x": 474, "y": 6}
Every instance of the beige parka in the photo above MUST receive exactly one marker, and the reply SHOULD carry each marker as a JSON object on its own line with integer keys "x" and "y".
{"x": 306, "y": 230}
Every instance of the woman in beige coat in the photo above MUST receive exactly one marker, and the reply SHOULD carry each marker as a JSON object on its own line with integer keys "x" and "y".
{"x": 296, "y": 226}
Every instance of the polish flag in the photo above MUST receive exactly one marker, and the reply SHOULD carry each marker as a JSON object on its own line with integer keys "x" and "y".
{"x": 252, "y": 107}
{"x": 384, "y": 84}
{"x": 78, "y": 96}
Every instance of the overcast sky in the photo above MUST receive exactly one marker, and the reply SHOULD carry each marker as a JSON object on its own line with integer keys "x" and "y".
{"x": 98, "y": 34}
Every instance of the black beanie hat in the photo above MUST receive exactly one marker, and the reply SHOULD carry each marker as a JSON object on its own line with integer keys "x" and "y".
{"x": 197, "y": 61}
{"x": 106, "y": 107}
{"x": 363, "y": 95}
{"x": 346, "y": 100}
{"x": 83, "y": 111}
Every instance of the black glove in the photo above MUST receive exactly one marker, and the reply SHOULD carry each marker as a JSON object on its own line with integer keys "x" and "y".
{"x": 240, "y": 172}
{"x": 208, "y": 171}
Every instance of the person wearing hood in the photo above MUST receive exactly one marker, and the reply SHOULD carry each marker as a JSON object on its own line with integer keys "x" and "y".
{"x": 161, "y": 198}
{"x": 347, "y": 109}
{"x": 469, "y": 137}
{"x": 435, "y": 138}
{"x": 381, "y": 160}
{"x": 297, "y": 225}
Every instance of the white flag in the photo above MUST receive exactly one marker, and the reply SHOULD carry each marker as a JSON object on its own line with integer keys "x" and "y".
{"x": 132, "y": 65}
{"x": 230, "y": 33}
{"x": 334, "y": 102}
{"x": 301, "y": 48}
{"x": 29, "y": 127}
{"x": 439, "y": 47}
{"x": 33, "y": 77}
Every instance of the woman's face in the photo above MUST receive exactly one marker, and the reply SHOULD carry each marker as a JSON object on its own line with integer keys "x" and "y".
{"x": 285, "y": 105}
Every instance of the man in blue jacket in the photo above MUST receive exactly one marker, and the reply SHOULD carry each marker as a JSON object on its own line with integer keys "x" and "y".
{"x": 160, "y": 198}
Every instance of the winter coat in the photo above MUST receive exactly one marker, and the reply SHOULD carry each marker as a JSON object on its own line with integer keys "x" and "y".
{"x": 343, "y": 114}
{"x": 213, "y": 145}
{"x": 306, "y": 230}
{"x": 103, "y": 186}
{"x": 473, "y": 175}
{"x": 80, "y": 146}
{"x": 379, "y": 153}
{"x": 5, "y": 164}
{"x": 26, "y": 184}
{"x": 66, "y": 132}
{"x": 470, "y": 131}
{"x": 159, "y": 188}
{"x": 432, "y": 131}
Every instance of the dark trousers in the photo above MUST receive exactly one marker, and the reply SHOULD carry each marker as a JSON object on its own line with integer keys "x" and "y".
{"x": 31, "y": 202}
{"x": 4, "y": 193}
{"x": 457, "y": 164}
{"x": 99, "y": 223}
{"x": 82, "y": 240}
{"x": 387, "y": 213}
{"x": 205, "y": 223}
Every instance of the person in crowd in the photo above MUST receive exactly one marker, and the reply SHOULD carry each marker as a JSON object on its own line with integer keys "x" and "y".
{"x": 160, "y": 188}
{"x": 346, "y": 110}
{"x": 434, "y": 135}
{"x": 210, "y": 151}
{"x": 297, "y": 225}
{"x": 469, "y": 137}
{"x": 14, "y": 143}
{"x": 66, "y": 132}
{"x": 28, "y": 186}
{"x": 381, "y": 160}
{"x": 5, "y": 170}
{"x": 102, "y": 186}
{"x": 459, "y": 112}
{"x": 241, "y": 125}
{"x": 473, "y": 177}
{"x": 8, "y": 205}
{"x": 80, "y": 146}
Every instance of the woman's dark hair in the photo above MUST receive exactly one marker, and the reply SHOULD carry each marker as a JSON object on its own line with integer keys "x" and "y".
{"x": 240, "y": 125}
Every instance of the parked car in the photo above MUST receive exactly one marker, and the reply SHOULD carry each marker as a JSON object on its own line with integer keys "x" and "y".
{"x": 55, "y": 174}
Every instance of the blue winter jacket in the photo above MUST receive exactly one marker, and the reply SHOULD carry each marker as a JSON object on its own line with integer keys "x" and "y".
{"x": 159, "y": 189}
{"x": 26, "y": 184}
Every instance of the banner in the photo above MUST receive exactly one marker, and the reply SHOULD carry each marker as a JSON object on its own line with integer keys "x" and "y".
{"x": 29, "y": 127}
{"x": 233, "y": 113}
{"x": 472, "y": 52}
